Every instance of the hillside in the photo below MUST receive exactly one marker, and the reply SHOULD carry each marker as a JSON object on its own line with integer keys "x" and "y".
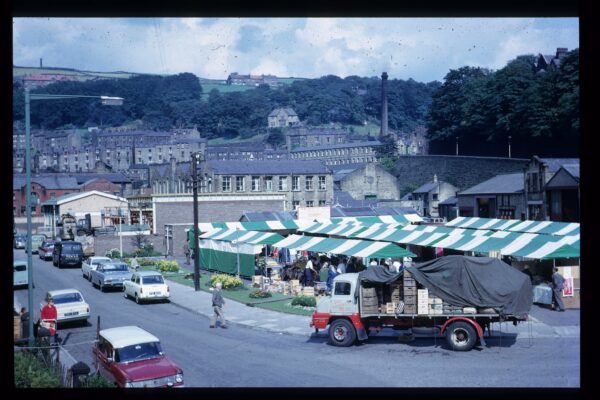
{"x": 80, "y": 75}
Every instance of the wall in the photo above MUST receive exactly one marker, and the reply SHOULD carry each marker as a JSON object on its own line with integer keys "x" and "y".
{"x": 468, "y": 205}
{"x": 461, "y": 171}
{"x": 104, "y": 243}
{"x": 93, "y": 204}
{"x": 177, "y": 210}
{"x": 371, "y": 180}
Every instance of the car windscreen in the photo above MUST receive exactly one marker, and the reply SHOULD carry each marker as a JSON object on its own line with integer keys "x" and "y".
{"x": 20, "y": 267}
{"x": 138, "y": 351}
{"x": 73, "y": 247}
{"x": 152, "y": 280}
{"x": 67, "y": 298}
{"x": 115, "y": 268}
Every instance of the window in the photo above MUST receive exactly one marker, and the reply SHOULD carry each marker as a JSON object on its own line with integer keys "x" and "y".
{"x": 226, "y": 184}
{"x": 309, "y": 183}
{"x": 310, "y": 203}
{"x": 256, "y": 183}
{"x": 342, "y": 288}
{"x": 322, "y": 183}
{"x": 434, "y": 196}
{"x": 269, "y": 183}
{"x": 283, "y": 183}
{"x": 322, "y": 203}
{"x": 295, "y": 204}
{"x": 295, "y": 183}
{"x": 239, "y": 184}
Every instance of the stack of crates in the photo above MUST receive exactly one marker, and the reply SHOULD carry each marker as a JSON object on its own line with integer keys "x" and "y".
{"x": 369, "y": 301}
{"x": 308, "y": 291}
{"x": 422, "y": 301}
{"x": 435, "y": 305}
{"x": 410, "y": 294}
{"x": 390, "y": 308}
{"x": 257, "y": 281}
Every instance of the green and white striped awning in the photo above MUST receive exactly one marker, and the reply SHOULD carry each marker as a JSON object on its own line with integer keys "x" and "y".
{"x": 422, "y": 235}
{"x": 254, "y": 225}
{"x": 515, "y": 225}
{"x": 348, "y": 247}
{"x": 379, "y": 219}
{"x": 241, "y": 236}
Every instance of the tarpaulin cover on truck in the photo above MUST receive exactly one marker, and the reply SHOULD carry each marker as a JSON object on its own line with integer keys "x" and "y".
{"x": 481, "y": 282}
{"x": 378, "y": 274}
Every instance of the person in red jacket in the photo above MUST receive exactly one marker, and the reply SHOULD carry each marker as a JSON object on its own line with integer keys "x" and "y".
{"x": 48, "y": 316}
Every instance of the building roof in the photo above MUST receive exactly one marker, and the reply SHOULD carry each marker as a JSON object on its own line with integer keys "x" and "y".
{"x": 49, "y": 181}
{"x": 268, "y": 216}
{"x": 74, "y": 196}
{"x": 555, "y": 163}
{"x": 507, "y": 184}
{"x": 268, "y": 167}
{"x": 132, "y": 133}
{"x": 573, "y": 169}
{"x": 287, "y": 110}
{"x": 338, "y": 146}
{"x": 449, "y": 201}
{"x": 114, "y": 177}
{"x": 345, "y": 199}
{"x": 317, "y": 131}
{"x": 244, "y": 146}
{"x": 428, "y": 187}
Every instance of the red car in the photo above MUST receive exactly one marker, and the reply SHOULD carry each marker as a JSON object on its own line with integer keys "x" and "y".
{"x": 45, "y": 249}
{"x": 129, "y": 356}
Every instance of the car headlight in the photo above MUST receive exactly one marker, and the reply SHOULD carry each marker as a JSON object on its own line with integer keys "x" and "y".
{"x": 179, "y": 377}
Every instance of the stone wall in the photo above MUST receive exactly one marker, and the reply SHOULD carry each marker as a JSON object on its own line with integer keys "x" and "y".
{"x": 461, "y": 171}
{"x": 371, "y": 180}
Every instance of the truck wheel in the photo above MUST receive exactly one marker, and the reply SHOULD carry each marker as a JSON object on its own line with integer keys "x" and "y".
{"x": 461, "y": 336}
{"x": 342, "y": 333}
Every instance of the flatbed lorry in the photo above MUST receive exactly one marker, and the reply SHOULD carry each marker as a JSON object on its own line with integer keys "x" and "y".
{"x": 350, "y": 314}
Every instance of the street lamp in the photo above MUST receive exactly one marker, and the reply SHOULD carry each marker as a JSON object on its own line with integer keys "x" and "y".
{"x": 509, "y": 146}
{"x": 196, "y": 160}
{"x": 113, "y": 101}
{"x": 457, "y": 145}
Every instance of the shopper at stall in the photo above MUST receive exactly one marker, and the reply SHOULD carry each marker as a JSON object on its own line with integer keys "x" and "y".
{"x": 332, "y": 273}
{"x": 48, "y": 318}
{"x": 186, "y": 251}
{"x": 341, "y": 267}
{"x": 309, "y": 273}
{"x": 218, "y": 303}
{"x": 351, "y": 266}
{"x": 558, "y": 283}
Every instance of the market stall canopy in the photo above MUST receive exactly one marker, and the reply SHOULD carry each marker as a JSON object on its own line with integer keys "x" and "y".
{"x": 254, "y": 225}
{"x": 422, "y": 235}
{"x": 348, "y": 229}
{"x": 385, "y": 219}
{"x": 348, "y": 247}
{"x": 240, "y": 236}
{"x": 516, "y": 225}
{"x": 481, "y": 282}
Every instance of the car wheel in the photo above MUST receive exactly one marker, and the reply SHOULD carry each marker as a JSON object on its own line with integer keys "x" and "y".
{"x": 342, "y": 333}
{"x": 137, "y": 299}
{"x": 461, "y": 336}
{"x": 101, "y": 286}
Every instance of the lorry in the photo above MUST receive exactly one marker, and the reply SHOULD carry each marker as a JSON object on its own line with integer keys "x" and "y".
{"x": 79, "y": 231}
{"x": 455, "y": 296}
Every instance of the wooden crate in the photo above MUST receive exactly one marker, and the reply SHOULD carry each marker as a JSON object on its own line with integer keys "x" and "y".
{"x": 369, "y": 292}
{"x": 390, "y": 308}
{"x": 370, "y": 301}
{"x": 370, "y": 309}
{"x": 295, "y": 282}
{"x": 410, "y": 309}
{"x": 257, "y": 280}
{"x": 410, "y": 291}
{"x": 410, "y": 300}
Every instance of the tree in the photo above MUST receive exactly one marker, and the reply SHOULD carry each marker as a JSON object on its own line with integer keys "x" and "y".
{"x": 276, "y": 137}
{"x": 387, "y": 153}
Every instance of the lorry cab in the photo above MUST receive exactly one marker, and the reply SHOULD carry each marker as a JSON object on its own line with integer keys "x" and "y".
{"x": 344, "y": 297}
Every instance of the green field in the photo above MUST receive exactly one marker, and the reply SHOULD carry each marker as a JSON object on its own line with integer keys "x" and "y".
{"x": 81, "y": 75}
{"x": 255, "y": 138}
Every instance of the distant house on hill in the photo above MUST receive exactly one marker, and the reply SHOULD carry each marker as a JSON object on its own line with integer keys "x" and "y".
{"x": 544, "y": 62}
{"x": 251, "y": 80}
{"x": 282, "y": 117}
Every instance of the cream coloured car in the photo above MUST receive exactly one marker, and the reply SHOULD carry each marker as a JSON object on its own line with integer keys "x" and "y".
{"x": 91, "y": 264}
{"x": 70, "y": 305}
{"x": 145, "y": 286}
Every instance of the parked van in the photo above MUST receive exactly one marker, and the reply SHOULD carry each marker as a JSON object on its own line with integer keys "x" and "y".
{"x": 20, "y": 273}
{"x": 67, "y": 253}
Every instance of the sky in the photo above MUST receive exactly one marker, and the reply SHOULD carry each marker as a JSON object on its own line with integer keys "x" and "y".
{"x": 423, "y": 49}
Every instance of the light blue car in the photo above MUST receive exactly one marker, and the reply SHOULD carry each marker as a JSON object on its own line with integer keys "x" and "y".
{"x": 110, "y": 275}
{"x": 20, "y": 275}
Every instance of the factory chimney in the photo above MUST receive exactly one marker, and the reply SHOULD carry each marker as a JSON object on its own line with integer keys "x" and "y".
{"x": 384, "y": 106}
{"x": 41, "y": 63}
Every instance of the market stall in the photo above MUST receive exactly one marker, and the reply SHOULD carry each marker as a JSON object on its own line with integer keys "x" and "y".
{"x": 233, "y": 251}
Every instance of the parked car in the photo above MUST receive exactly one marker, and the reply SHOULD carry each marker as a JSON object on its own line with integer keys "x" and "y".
{"x": 20, "y": 274}
{"x": 67, "y": 253}
{"x": 129, "y": 357}
{"x": 91, "y": 264}
{"x": 36, "y": 242}
{"x": 146, "y": 285}
{"x": 46, "y": 248}
{"x": 111, "y": 274}
{"x": 70, "y": 306}
{"x": 20, "y": 241}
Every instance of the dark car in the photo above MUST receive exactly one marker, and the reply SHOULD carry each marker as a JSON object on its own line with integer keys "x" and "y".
{"x": 67, "y": 253}
{"x": 46, "y": 248}
{"x": 20, "y": 241}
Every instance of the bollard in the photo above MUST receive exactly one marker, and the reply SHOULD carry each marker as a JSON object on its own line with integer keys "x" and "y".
{"x": 77, "y": 371}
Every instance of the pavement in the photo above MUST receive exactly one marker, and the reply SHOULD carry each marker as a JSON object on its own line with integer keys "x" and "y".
{"x": 542, "y": 322}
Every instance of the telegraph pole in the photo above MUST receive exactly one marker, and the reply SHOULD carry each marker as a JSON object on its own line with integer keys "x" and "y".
{"x": 196, "y": 158}
{"x": 509, "y": 146}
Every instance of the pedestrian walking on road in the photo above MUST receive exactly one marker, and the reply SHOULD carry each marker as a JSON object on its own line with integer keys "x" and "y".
{"x": 186, "y": 251}
{"x": 558, "y": 283}
{"x": 218, "y": 303}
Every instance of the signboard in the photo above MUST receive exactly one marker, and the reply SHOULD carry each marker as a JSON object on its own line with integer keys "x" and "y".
{"x": 314, "y": 213}
{"x": 568, "y": 287}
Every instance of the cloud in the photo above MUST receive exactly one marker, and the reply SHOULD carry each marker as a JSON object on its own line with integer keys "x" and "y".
{"x": 420, "y": 48}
